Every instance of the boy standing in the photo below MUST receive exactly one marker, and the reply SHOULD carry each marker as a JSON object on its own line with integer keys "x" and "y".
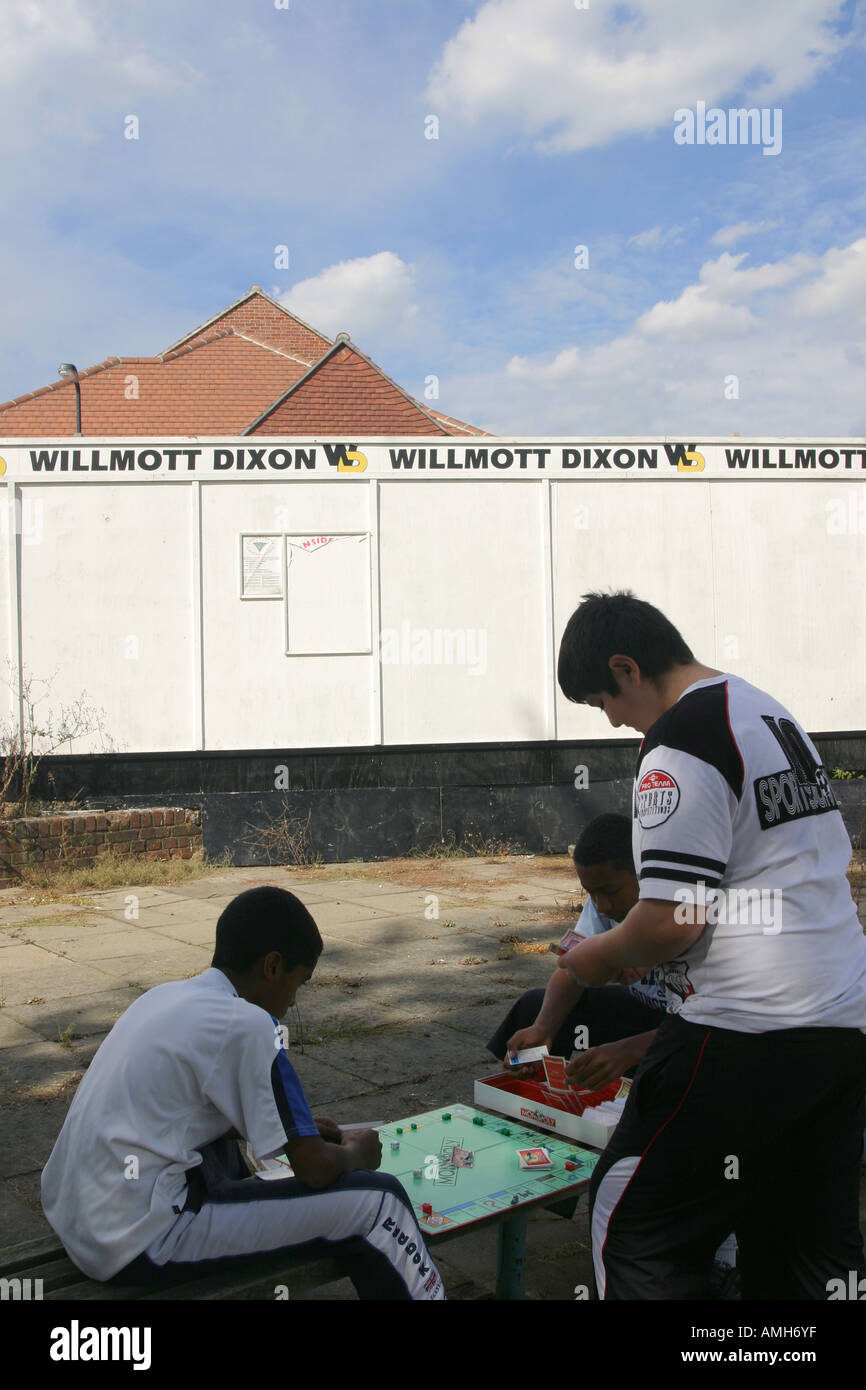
{"x": 741, "y": 854}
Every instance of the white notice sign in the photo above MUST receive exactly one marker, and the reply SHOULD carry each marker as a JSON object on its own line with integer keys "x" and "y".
{"x": 262, "y": 567}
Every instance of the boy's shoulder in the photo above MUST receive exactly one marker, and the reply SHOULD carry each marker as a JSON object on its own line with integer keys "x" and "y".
{"x": 207, "y": 1004}
{"x": 699, "y": 725}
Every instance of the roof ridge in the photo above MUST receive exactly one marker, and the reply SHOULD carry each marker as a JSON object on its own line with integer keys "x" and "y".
{"x": 68, "y": 381}
{"x": 254, "y": 290}
{"x": 472, "y": 430}
{"x": 351, "y": 347}
{"x": 269, "y": 347}
{"x": 172, "y": 354}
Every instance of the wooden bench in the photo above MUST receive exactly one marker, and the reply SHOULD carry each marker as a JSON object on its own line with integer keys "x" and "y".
{"x": 45, "y": 1260}
{"x": 61, "y": 1281}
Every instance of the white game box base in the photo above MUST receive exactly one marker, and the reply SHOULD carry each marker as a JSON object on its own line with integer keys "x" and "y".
{"x": 593, "y": 1127}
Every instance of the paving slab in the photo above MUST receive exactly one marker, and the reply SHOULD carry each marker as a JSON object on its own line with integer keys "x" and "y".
{"x": 406, "y": 903}
{"x": 14, "y": 1157}
{"x": 33, "y": 1125}
{"x": 88, "y": 1013}
{"x": 339, "y": 911}
{"x": 12, "y": 914}
{"x": 416, "y": 1093}
{"x": 36, "y": 1062}
{"x": 114, "y": 899}
{"x": 54, "y": 978}
{"x": 356, "y": 889}
{"x": 97, "y": 944}
{"x": 155, "y": 968}
{"x": 479, "y": 1021}
{"x": 203, "y": 889}
{"x": 14, "y": 1034}
{"x": 417, "y": 1050}
{"x": 191, "y": 933}
{"x": 19, "y": 1222}
{"x": 324, "y": 1084}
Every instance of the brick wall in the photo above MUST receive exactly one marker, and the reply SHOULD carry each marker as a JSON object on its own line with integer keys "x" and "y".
{"x": 84, "y": 836}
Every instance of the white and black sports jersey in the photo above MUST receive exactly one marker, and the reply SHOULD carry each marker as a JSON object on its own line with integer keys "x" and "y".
{"x": 734, "y": 812}
{"x": 185, "y": 1064}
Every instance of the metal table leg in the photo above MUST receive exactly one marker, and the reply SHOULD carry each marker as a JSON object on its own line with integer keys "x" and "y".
{"x": 511, "y": 1257}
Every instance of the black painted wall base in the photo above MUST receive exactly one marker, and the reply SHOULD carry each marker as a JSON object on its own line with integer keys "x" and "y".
{"x": 374, "y": 803}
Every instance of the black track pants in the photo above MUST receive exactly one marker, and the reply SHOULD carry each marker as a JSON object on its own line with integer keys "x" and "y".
{"x": 759, "y": 1133}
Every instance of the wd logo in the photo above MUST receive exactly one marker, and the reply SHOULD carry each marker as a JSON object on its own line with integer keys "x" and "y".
{"x": 685, "y": 460}
{"x": 345, "y": 460}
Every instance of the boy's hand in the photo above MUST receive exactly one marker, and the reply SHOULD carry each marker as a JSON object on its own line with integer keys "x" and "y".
{"x": 631, "y": 975}
{"x": 527, "y": 1037}
{"x": 600, "y": 1065}
{"x": 368, "y": 1144}
{"x": 328, "y": 1129}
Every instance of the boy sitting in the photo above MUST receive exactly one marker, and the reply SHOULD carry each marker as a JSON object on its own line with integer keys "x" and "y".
{"x": 146, "y": 1182}
{"x": 620, "y": 1019}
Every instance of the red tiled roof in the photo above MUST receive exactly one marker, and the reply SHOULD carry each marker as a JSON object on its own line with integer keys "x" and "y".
{"x": 254, "y": 368}
{"x": 346, "y": 391}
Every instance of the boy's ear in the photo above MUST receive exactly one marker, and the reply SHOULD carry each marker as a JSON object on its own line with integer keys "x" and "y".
{"x": 272, "y": 964}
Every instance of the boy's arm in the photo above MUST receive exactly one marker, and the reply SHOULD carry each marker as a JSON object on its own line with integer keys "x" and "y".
{"x": 560, "y": 997}
{"x": 648, "y": 935}
{"x": 318, "y": 1163}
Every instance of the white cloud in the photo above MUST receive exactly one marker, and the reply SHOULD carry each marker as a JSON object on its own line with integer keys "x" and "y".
{"x": 693, "y": 314}
{"x": 841, "y": 288}
{"x": 654, "y": 237}
{"x": 792, "y": 332}
{"x": 729, "y": 236}
{"x": 716, "y": 303}
{"x": 726, "y": 281}
{"x": 564, "y": 364}
{"x": 367, "y": 298}
{"x": 31, "y": 32}
{"x": 573, "y": 79}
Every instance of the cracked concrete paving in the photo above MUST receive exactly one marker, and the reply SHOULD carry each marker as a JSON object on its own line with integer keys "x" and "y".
{"x": 421, "y": 960}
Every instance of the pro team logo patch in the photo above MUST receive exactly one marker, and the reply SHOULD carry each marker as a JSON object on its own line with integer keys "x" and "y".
{"x": 658, "y": 796}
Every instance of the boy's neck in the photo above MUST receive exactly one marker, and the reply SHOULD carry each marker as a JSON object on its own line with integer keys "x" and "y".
{"x": 673, "y": 683}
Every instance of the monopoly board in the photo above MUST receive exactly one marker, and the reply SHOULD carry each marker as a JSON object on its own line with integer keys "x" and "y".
{"x": 459, "y": 1194}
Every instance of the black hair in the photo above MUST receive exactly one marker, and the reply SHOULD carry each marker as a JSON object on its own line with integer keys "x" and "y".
{"x": 263, "y": 920}
{"x": 606, "y": 840}
{"x": 609, "y": 624}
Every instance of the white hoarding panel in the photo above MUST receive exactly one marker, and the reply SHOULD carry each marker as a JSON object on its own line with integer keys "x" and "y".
{"x": 463, "y": 633}
{"x": 328, "y": 597}
{"x": 654, "y": 541}
{"x": 790, "y": 586}
{"x": 107, "y": 611}
{"x": 255, "y": 695}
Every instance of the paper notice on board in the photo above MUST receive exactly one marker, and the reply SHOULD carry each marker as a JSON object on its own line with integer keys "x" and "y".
{"x": 262, "y": 567}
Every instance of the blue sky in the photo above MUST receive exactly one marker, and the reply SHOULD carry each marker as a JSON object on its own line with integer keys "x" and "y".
{"x": 725, "y": 289}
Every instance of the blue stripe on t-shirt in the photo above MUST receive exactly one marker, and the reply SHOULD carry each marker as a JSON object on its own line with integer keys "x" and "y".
{"x": 291, "y": 1103}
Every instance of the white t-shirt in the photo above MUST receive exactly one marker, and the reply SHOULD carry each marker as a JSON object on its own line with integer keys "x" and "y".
{"x": 650, "y": 990}
{"x": 732, "y": 807}
{"x": 186, "y": 1063}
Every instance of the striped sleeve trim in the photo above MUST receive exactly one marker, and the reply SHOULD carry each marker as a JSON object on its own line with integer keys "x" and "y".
{"x": 671, "y": 856}
{"x": 680, "y": 875}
